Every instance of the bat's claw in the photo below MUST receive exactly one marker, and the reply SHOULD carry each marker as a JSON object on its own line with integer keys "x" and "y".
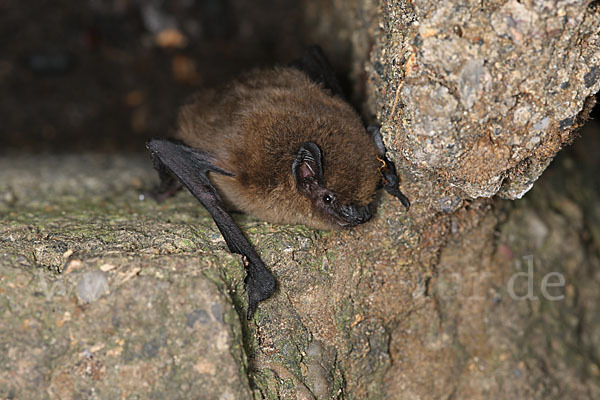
{"x": 162, "y": 192}
{"x": 260, "y": 285}
{"x": 154, "y": 195}
{"x": 394, "y": 191}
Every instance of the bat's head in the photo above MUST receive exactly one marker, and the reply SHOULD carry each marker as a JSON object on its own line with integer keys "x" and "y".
{"x": 339, "y": 208}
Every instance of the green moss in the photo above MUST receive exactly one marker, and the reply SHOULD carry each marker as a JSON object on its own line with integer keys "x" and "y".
{"x": 269, "y": 384}
{"x": 344, "y": 316}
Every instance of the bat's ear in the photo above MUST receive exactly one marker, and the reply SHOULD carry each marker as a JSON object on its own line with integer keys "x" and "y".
{"x": 307, "y": 168}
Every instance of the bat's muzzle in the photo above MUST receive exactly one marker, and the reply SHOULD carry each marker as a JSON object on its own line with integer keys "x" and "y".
{"x": 355, "y": 215}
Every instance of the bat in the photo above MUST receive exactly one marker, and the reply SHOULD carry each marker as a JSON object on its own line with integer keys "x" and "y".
{"x": 282, "y": 145}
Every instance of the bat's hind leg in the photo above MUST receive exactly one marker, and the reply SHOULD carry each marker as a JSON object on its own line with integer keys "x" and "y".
{"x": 169, "y": 185}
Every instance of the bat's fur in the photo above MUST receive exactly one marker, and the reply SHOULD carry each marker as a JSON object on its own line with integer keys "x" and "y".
{"x": 254, "y": 128}
{"x": 282, "y": 145}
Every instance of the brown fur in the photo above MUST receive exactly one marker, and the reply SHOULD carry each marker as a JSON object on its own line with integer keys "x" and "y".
{"x": 255, "y": 126}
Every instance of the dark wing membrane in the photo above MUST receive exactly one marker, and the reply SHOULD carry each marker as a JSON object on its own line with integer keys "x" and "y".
{"x": 316, "y": 65}
{"x": 191, "y": 166}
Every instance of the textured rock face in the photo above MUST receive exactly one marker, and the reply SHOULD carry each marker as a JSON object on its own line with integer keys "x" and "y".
{"x": 90, "y": 303}
{"x": 483, "y": 95}
{"x": 106, "y": 296}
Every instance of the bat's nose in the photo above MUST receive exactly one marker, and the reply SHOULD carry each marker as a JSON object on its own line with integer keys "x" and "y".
{"x": 355, "y": 215}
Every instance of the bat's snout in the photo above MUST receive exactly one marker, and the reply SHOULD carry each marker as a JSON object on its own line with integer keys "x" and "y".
{"x": 355, "y": 215}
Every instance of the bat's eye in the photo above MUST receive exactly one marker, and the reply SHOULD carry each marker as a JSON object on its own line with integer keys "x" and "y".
{"x": 327, "y": 199}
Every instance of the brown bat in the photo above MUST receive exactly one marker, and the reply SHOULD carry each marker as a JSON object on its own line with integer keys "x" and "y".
{"x": 282, "y": 145}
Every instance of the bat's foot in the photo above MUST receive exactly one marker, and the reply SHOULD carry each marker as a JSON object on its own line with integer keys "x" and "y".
{"x": 161, "y": 193}
{"x": 260, "y": 285}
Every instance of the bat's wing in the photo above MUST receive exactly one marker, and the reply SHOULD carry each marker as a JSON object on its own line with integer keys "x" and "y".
{"x": 191, "y": 167}
{"x": 316, "y": 65}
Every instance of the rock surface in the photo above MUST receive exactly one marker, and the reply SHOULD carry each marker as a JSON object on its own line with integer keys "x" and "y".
{"x": 106, "y": 296}
{"x": 101, "y": 296}
{"x": 482, "y": 97}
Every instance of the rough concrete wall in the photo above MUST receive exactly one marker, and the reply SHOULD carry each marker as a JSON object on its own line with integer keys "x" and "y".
{"x": 106, "y": 296}
{"x": 91, "y": 303}
{"x": 482, "y": 95}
